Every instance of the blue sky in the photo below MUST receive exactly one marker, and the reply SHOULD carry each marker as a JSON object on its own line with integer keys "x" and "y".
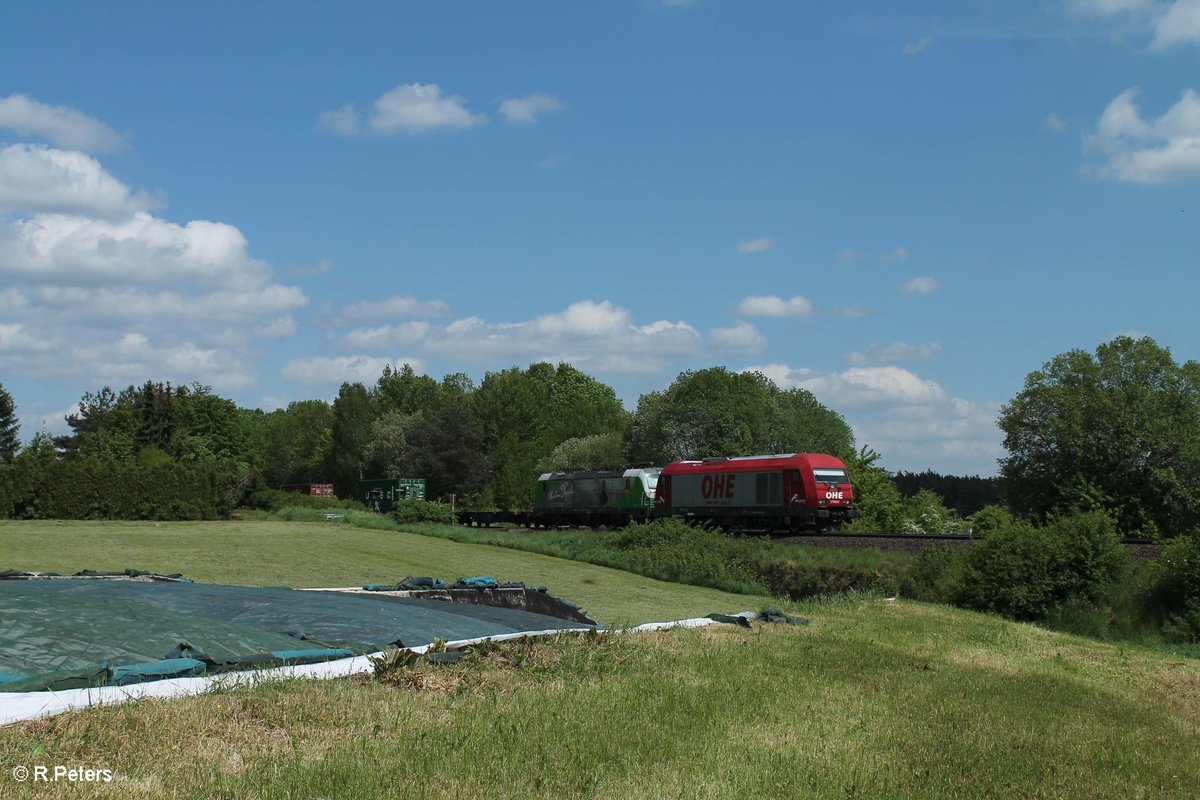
{"x": 904, "y": 208}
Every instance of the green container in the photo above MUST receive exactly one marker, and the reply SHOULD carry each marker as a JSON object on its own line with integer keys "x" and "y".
{"x": 382, "y": 494}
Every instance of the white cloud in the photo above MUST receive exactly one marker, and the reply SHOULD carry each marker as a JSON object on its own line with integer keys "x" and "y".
{"x": 278, "y": 328}
{"x": 333, "y": 371}
{"x": 1172, "y": 22}
{"x": 35, "y": 178}
{"x": 755, "y": 245}
{"x": 97, "y": 290}
{"x": 383, "y": 337}
{"x": 741, "y": 338}
{"x": 1136, "y": 150}
{"x": 526, "y": 110}
{"x": 772, "y": 306}
{"x": 1179, "y": 25}
{"x": 894, "y": 353}
{"x": 896, "y": 254}
{"x": 854, "y": 311}
{"x": 59, "y": 125}
{"x": 907, "y": 418}
{"x": 917, "y": 46}
{"x": 141, "y": 248}
{"x": 395, "y": 306}
{"x": 591, "y": 335}
{"x": 847, "y": 255}
{"x": 1055, "y": 123}
{"x": 419, "y": 108}
{"x": 342, "y": 120}
{"x": 923, "y": 285}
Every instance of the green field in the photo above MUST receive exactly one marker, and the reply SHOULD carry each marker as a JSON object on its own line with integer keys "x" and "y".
{"x": 311, "y": 554}
{"x": 872, "y": 699}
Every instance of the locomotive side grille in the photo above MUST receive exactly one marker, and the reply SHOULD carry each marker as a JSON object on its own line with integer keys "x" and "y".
{"x": 768, "y": 488}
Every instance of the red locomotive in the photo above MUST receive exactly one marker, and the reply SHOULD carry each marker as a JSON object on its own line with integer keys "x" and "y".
{"x": 800, "y": 491}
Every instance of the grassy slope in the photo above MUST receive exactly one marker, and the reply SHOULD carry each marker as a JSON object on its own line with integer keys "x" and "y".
{"x": 303, "y": 554}
{"x": 872, "y": 699}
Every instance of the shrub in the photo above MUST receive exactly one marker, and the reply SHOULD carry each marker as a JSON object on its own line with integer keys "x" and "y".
{"x": 936, "y": 576}
{"x": 1023, "y": 572}
{"x": 1177, "y": 589}
{"x": 408, "y": 511}
{"x": 275, "y": 500}
{"x": 672, "y": 550}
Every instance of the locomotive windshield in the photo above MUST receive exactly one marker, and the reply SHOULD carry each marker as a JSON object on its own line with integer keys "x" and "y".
{"x": 830, "y": 476}
{"x": 652, "y": 479}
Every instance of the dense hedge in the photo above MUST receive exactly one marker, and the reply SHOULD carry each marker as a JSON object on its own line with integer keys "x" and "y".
{"x": 152, "y": 487}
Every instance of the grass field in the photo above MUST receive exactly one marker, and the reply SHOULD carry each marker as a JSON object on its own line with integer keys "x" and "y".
{"x": 310, "y": 554}
{"x": 872, "y": 699}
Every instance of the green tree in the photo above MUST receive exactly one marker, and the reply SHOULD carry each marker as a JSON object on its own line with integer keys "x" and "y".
{"x": 10, "y": 443}
{"x": 403, "y": 390}
{"x": 1118, "y": 431}
{"x": 351, "y": 435}
{"x": 296, "y": 443}
{"x": 604, "y": 450}
{"x": 525, "y": 414}
{"x": 715, "y": 412}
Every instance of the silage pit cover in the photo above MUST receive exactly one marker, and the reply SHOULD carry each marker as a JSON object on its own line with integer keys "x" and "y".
{"x": 71, "y": 633}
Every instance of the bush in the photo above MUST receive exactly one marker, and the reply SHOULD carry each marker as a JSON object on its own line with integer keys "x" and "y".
{"x": 1177, "y": 589}
{"x": 274, "y": 500}
{"x": 672, "y": 550}
{"x": 1023, "y": 572}
{"x": 153, "y": 487}
{"x": 408, "y": 511}
{"x": 936, "y": 576}
{"x": 789, "y": 579}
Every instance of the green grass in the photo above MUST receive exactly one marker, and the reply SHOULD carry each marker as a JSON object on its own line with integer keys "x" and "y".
{"x": 871, "y": 700}
{"x": 310, "y": 554}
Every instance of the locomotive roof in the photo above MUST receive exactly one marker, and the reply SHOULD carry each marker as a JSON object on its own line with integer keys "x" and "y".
{"x": 747, "y": 463}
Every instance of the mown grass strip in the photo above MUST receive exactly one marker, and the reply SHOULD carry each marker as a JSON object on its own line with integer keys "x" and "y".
{"x": 872, "y": 700}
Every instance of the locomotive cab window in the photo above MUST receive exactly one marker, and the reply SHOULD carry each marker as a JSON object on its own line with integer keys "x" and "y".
{"x": 827, "y": 475}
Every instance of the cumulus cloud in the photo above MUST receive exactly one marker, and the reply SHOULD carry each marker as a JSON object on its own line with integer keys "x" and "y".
{"x": 591, "y": 335}
{"x": 394, "y": 306}
{"x": 141, "y": 248}
{"x": 59, "y": 125}
{"x": 411, "y": 108}
{"x": 741, "y": 338}
{"x": 894, "y": 353}
{"x": 97, "y": 288}
{"x": 755, "y": 245}
{"x": 917, "y": 46}
{"x": 526, "y": 110}
{"x": 333, "y": 371}
{"x": 382, "y": 337}
{"x": 1136, "y": 150}
{"x": 1173, "y": 23}
{"x": 772, "y": 306}
{"x": 896, "y": 254}
{"x": 35, "y": 178}
{"x": 907, "y": 418}
{"x": 923, "y": 285}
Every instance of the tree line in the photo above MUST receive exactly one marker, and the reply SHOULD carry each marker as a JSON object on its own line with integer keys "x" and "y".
{"x": 1115, "y": 431}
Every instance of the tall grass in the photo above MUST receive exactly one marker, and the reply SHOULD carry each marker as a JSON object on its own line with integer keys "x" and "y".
{"x": 870, "y": 700}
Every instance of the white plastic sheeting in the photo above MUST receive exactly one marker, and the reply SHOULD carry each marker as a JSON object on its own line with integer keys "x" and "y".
{"x": 19, "y": 706}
